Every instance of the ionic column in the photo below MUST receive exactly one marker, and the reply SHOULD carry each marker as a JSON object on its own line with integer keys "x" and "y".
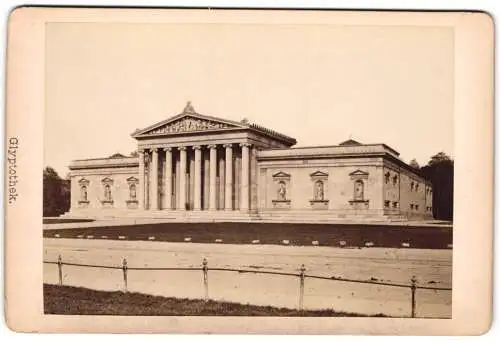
{"x": 182, "y": 178}
{"x": 206, "y": 180}
{"x": 154, "y": 179}
{"x": 245, "y": 176}
{"x": 168, "y": 178}
{"x": 229, "y": 177}
{"x": 142, "y": 181}
{"x": 213, "y": 177}
{"x": 221, "y": 186}
{"x": 197, "y": 177}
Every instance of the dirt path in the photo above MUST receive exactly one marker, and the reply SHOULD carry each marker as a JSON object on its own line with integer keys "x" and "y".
{"x": 431, "y": 267}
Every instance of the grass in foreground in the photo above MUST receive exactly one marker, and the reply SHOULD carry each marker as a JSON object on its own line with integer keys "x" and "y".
{"x": 81, "y": 301}
{"x": 355, "y": 235}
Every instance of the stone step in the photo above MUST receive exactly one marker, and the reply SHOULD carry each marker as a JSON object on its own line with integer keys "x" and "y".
{"x": 203, "y": 216}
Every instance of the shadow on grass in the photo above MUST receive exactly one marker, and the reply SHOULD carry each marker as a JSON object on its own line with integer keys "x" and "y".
{"x": 81, "y": 301}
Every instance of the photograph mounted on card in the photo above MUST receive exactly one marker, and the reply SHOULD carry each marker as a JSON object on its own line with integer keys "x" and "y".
{"x": 322, "y": 174}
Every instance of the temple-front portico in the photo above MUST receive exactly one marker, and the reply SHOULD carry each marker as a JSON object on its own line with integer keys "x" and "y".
{"x": 193, "y": 165}
{"x": 200, "y": 163}
{"x": 176, "y": 178}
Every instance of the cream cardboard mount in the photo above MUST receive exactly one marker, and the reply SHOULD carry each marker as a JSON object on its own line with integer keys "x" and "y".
{"x": 200, "y": 167}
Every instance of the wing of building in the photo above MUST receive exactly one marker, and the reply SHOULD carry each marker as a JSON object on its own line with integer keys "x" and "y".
{"x": 201, "y": 167}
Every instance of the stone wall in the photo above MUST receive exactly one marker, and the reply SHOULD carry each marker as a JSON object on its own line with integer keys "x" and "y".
{"x": 406, "y": 192}
{"x": 93, "y": 182}
{"x": 337, "y": 179}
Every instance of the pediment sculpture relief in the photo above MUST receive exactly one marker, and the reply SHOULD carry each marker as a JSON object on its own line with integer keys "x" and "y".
{"x": 189, "y": 124}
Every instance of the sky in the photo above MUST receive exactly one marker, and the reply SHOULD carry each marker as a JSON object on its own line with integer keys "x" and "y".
{"x": 321, "y": 84}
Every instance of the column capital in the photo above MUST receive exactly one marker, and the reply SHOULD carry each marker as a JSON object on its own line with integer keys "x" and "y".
{"x": 228, "y": 145}
{"x": 212, "y": 146}
{"x": 167, "y": 149}
{"x": 245, "y": 145}
{"x": 181, "y": 148}
{"x": 154, "y": 149}
{"x": 196, "y": 147}
{"x": 141, "y": 151}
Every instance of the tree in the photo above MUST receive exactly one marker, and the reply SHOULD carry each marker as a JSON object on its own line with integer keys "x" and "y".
{"x": 134, "y": 154}
{"x": 414, "y": 164}
{"x": 439, "y": 170}
{"x": 439, "y": 158}
{"x": 56, "y": 193}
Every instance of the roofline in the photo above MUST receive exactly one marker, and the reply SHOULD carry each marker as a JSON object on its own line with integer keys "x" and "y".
{"x": 249, "y": 126}
{"x": 102, "y": 158}
{"x": 382, "y": 154}
{"x": 410, "y": 168}
{"x": 95, "y": 163}
{"x": 396, "y": 153}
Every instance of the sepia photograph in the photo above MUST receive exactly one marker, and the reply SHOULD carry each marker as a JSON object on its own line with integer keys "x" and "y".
{"x": 204, "y": 176}
{"x": 248, "y": 163}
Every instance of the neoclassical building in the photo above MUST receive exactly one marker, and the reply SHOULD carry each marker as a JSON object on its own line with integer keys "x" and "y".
{"x": 198, "y": 167}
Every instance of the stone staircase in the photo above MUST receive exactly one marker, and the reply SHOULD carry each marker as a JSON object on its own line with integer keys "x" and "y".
{"x": 327, "y": 216}
{"x": 171, "y": 215}
{"x": 273, "y": 216}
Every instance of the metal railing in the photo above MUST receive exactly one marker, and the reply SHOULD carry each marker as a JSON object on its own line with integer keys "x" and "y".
{"x": 204, "y": 268}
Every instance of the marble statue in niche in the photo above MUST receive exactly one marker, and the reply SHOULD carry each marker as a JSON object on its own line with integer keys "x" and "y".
{"x": 319, "y": 190}
{"x": 107, "y": 193}
{"x": 358, "y": 190}
{"x": 282, "y": 190}
{"x": 83, "y": 193}
{"x": 133, "y": 192}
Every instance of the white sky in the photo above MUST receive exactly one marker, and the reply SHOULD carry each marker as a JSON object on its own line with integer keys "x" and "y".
{"x": 319, "y": 84}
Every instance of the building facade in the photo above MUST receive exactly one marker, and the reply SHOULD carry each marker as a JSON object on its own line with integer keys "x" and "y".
{"x": 193, "y": 166}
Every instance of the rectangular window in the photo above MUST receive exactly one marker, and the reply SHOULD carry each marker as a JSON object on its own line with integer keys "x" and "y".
{"x": 411, "y": 206}
{"x": 416, "y": 207}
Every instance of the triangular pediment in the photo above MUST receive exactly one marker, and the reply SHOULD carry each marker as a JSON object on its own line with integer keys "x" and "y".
{"x": 319, "y": 174}
{"x": 281, "y": 174}
{"x": 350, "y": 142}
{"x": 132, "y": 179}
{"x": 83, "y": 181}
{"x": 188, "y": 121}
{"x": 359, "y": 174}
{"x": 107, "y": 180}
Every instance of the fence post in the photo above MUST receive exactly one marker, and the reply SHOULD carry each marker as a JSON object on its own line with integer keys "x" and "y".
{"x": 204, "y": 264}
{"x": 301, "y": 290}
{"x": 59, "y": 265}
{"x": 124, "y": 268}
{"x": 413, "y": 301}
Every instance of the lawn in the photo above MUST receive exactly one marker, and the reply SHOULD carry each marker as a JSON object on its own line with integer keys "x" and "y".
{"x": 354, "y": 235}
{"x": 81, "y": 301}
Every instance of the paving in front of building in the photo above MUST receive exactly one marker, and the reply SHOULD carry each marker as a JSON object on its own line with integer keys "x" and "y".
{"x": 196, "y": 167}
